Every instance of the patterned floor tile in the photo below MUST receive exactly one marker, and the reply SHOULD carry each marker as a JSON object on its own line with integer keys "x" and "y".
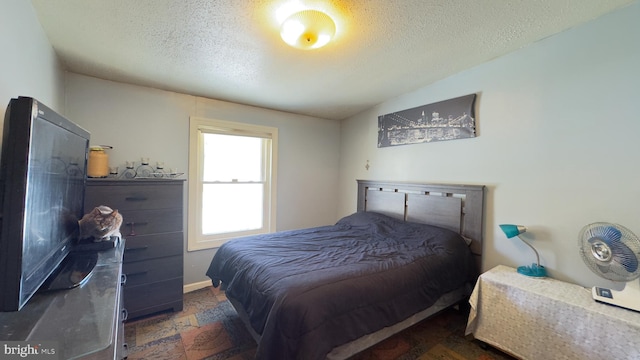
{"x": 441, "y": 352}
{"x": 209, "y": 328}
{"x": 199, "y": 300}
{"x": 219, "y": 313}
{"x": 169, "y": 348}
{"x": 206, "y": 341}
{"x": 238, "y": 332}
{"x": 219, "y": 294}
{"x": 391, "y": 348}
{"x": 164, "y": 326}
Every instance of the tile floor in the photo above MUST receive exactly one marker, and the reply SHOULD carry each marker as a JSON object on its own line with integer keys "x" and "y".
{"x": 209, "y": 328}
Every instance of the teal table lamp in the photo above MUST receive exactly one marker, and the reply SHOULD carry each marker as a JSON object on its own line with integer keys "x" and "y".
{"x": 535, "y": 270}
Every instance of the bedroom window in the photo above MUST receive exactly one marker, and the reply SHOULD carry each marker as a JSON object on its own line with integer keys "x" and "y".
{"x": 231, "y": 181}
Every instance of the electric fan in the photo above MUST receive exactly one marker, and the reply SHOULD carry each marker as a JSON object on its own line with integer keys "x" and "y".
{"x": 612, "y": 252}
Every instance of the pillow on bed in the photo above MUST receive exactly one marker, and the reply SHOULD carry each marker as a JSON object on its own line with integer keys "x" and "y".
{"x": 362, "y": 218}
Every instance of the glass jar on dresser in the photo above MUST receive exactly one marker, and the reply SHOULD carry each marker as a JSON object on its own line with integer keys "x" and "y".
{"x": 152, "y": 212}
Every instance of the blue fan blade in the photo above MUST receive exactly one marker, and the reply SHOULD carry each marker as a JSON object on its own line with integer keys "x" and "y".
{"x": 622, "y": 254}
{"x": 610, "y": 233}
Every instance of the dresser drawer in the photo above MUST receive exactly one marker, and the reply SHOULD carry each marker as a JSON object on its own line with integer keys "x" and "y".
{"x": 142, "y": 222}
{"x": 154, "y": 270}
{"x": 145, "y": 247}
{"x": 135, "y": 196}
{"x": 159, "y": 295}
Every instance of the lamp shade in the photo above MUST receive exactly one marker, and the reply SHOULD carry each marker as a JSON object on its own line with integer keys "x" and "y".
{"x": 308, "y": 29}
{"x": 512, "y": 230}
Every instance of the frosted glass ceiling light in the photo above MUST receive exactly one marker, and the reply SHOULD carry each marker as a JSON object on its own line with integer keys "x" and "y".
{"x": 308, "y": 29}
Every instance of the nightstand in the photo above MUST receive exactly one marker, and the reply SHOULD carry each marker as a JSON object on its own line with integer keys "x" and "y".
{"x": 543, "y": 318}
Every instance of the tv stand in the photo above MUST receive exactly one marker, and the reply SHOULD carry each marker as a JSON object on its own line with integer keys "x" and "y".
{"x": 84, "y": 322}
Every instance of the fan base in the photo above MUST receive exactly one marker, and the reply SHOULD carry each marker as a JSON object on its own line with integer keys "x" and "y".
{"x": 628, "y": 298}
{"x": 534, "y": 270}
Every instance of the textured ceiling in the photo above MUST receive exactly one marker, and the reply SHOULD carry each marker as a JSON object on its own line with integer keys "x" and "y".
{"x": 231, "y": 49}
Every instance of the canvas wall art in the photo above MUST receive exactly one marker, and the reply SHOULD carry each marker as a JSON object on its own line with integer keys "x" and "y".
{"x": 445, "y": 120}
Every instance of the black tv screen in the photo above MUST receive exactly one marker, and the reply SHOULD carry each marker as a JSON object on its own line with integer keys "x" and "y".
{"x": 42, "y": 175}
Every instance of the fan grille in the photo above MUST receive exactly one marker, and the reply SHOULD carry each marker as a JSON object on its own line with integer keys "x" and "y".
{"x": 611, "y": 251}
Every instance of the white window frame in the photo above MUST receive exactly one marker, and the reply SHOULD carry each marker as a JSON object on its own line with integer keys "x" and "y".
{"x": 197, "y": 127}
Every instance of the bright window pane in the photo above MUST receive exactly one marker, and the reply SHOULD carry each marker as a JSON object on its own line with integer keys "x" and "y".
{"x": 231, "y": 207}
{"x": 232, "y": 158}
{"x": 231, "y": 179}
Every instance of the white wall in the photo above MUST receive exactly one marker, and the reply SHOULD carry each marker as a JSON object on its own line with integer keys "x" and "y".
{"x": 144, "y": 122}
{"x": 556, "y": 147}
{"x": 28, "y": 64}
{"x": 557, "y": 143}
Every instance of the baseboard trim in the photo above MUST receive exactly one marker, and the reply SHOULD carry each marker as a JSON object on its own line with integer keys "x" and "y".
{"x": 196, "y": 286}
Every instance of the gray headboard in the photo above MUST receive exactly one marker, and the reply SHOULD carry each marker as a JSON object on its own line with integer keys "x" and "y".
{"x": 456, "y": 207}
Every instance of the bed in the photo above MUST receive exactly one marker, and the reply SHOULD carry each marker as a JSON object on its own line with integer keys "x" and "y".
{"x": 410, "y": 251}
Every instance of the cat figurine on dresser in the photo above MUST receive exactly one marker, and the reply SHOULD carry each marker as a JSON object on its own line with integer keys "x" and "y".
{"x": 100, "y": 224}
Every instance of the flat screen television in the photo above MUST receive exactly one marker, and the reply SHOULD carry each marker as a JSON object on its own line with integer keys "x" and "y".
{"x": 42, "y": 182}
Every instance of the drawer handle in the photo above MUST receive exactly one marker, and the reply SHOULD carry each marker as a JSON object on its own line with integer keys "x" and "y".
{"x": 133, "y": 231}
{"x": 125, "y": 314}
{"x": 138, "y": 273}
{"x": 137, "y": 248}
{"x": 123, "y": 279}
{"x": 136, "y": 198}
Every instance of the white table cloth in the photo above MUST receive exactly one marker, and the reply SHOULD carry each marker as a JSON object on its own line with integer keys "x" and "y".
{"x": 543, "y": 318}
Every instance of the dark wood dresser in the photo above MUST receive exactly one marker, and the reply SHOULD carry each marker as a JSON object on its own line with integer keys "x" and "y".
{"x": 153, "y": 228}
{"x": 85, "y": 322}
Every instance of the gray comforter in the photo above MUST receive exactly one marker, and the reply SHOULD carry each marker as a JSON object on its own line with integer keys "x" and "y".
{"x": 308, "y": 291}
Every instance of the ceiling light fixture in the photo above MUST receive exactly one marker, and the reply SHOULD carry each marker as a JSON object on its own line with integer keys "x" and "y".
{"x": 308, "y": 29}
